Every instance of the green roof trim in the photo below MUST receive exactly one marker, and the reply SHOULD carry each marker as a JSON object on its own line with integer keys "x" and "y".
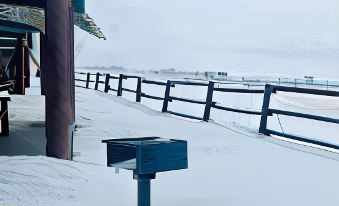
{"x": 78, "y": 5}
{"x": 86, "y": 23}
{"x": 34, "y": 17}
{"x": 17, "y": 30}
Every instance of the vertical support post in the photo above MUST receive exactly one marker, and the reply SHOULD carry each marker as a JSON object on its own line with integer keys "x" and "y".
{"x": 209, "y": 99}
{"x": 97, "y": 76}
{"x": 144, "y": 188}
{"x": 72, "y": 80}
{"x": 327, "y": 84}
{"x": 144, "y": 192}
{"x": 119, "y": 93}
{"x": 28, "y": 45}
{"x": 88, "y": 80}
{"x": 56, "y": 67}
{"x": 107, "y": 78}
{"x": 27, "y": 60}
{"x": 265, "y": 109}
{"x": 17, "y": 65}
{"x": 4, "y": 118}
{"x": 167, "y": 96}
{"x": 40, "y": 72}
{"x": 22, "y": 75}
{"x": 138, "y": 91}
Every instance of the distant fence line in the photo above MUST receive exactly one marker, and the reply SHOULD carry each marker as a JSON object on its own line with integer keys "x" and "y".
{"x": 307, "y": 81}
{"x": 260, "y": 81}
{"x": 209, "y": 103}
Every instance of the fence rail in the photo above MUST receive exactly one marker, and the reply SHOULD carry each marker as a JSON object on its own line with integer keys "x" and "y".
{"x": 265, "y": 112}
{"x": 145, "y": 81}
{"x": 187, "y": 100}
{"x": 230, "y": 109}
{"x": 248, "y": 91}
{"x": 152, "y": 97}
{"x": 184, "y": 115}
{"x": 189, "y": 83}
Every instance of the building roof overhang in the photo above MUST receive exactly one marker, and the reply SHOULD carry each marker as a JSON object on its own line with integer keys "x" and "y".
{"x": 20, "y": 18}
{"x": 86, "y": 23}
{"x": 27, "y": 19}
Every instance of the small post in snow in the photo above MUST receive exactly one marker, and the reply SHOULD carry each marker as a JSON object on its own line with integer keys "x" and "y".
{"x": 209, "y": 99}
{"x": 107, "y": 78}
{"x": 138, "y": 91}
{"x": 167, "y": 96}
{"x": 97, "y": 81}
{"x": 327, "y": 84}
{"x": 88, "y": 80}
{"x": 265, "y": 109}
{"x": 119, "y": 93}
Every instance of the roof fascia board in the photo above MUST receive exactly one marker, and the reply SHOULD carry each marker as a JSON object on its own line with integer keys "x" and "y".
{"x": 31, "y": 3}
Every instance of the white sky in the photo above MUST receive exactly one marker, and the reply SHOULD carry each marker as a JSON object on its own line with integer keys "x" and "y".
{"x": 260, "y": 36}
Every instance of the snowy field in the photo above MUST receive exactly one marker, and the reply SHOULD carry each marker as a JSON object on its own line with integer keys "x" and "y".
{"x": 227, "y": 165}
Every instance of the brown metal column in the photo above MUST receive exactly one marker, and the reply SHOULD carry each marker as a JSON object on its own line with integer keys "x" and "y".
{"x": 56, "y": 70}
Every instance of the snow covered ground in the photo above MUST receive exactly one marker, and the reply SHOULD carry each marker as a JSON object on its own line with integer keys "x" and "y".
{"x": 310, "y": 104}
{"x": 227, "y": 165}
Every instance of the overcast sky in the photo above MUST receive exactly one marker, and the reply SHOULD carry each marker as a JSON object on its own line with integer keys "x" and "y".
{"x": 279, "y": 36}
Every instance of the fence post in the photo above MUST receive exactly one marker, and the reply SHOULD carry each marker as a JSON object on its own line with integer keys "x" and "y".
{"x": 295, "y": 82}
{"x": 138, "y": 91}
{"x": 209, "y": 99}
{"x": 265, "y": 109}
{"x": 167, "y": 96}
{"x": 88, "y": 79}
{"x": 119, "y": 93}
{"x": 327, "y": 84}
{"x": 108, "y": 76}
{"x": 96, "y": 81}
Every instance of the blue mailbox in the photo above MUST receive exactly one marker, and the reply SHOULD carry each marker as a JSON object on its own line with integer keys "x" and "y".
{"x": 146, "y": 156}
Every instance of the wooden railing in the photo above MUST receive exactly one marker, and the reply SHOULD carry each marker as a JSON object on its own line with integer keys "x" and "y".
{"x": 266, "y": 110}
{"x": 209, "y": 103}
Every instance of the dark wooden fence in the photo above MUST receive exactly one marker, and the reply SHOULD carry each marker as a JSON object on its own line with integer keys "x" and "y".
{"x": 209, "y": 103}
{"x": 266, "y": 110}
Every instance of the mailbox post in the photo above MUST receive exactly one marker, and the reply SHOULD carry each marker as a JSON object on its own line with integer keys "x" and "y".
{"x": 144, "y": 188}
{"x": 146, "y": 156}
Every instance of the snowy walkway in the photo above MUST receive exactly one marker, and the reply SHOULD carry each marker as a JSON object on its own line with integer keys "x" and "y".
{"x": 226, "y": 166}
{"x": 26, "y": 125}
